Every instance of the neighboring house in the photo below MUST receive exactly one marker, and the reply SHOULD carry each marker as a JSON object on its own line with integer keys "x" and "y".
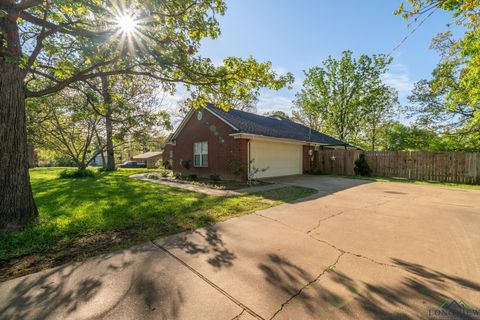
{"x": 149, "y": 158}
{"x": 235, "y": 144}
{"x": 98, "y": 160}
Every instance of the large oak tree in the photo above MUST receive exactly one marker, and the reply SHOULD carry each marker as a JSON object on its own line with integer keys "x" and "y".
{"x": 49, "y": 45}
{"x": 346, "y": 97}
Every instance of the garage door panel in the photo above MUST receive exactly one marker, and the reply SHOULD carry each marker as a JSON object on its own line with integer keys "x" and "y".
{"x": 279, "y": 159}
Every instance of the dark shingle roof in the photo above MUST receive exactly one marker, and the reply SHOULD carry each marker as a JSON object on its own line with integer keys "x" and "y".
{"x": 251, "y": 123}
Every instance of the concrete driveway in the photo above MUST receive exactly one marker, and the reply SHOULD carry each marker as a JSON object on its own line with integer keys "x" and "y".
{"x": 356, "y": 250}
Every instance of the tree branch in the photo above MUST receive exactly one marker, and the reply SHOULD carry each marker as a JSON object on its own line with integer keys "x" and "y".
{"x": 22, "y": 5}
{"x": 63, "y": 27}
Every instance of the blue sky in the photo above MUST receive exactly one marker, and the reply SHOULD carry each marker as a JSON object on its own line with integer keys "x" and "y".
{"x": 296, "y": 35}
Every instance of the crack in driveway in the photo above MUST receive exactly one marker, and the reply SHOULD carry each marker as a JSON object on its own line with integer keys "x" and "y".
{"x": 330, "y": 267}
{"x": 357, "y": 254}
{"x": 326, "y": 218}
{"x": 332, "y": 245}
{"x": 278, "y": 221}
{"x": 238, "y": 315}
{"x": 345, "y": 211}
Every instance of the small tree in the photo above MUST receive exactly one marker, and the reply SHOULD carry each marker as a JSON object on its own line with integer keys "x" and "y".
{"x": 252, "y": 174}
{"x": 62, "y": 124}
{"x": 129, "y": 106}
{"x": 361, "y": 166}
{"x": 377, "y": 109}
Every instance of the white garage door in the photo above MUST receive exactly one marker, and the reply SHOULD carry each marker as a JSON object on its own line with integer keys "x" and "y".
{"x": 280, "y": 159}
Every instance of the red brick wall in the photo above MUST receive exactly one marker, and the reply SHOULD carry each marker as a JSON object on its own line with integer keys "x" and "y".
{"x": 222, "y": 148}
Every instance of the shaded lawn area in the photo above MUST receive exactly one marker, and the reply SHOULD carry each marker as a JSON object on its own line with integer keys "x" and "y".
{"x": 419, "y": 182}
{"x": 84, "y": 217}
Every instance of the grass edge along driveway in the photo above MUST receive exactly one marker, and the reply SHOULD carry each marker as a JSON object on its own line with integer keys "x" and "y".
{"x": 79, "y": 218}
{"x": 417, "y": 182}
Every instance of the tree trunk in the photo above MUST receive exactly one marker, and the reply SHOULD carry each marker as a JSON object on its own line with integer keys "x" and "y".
{"x": 374, "y": 135}
{"x": 104, "y": 162}
{"x": 109, "y": 137}
{"x": 100, "y": 147}
{"x": 107, "y": 100}
{"x": 17, "y": 207}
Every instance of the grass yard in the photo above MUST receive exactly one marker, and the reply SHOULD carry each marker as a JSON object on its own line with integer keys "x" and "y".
{"x": 84, "y": 217}
{"x": 419, "y": 182}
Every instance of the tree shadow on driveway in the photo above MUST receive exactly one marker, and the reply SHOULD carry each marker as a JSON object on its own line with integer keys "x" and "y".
{"x": 101, "y": 287}
{"x": 207, "y": 242}
{"x": 402, "y": 291}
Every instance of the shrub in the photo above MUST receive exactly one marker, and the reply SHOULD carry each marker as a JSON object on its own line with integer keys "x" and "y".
{"x": 177, "y": 175}
{"x": 361, "y": 166}
{"x": 193, "y": 177}
{"x": 56, "y": 161}
{"x": 185, "y": 164}
{"x": 76, "y": 173}
{"x": 103, "y": 169}
{"x": 167, "y": 164}
{"x": 214, "y": 177}
{"x": 165, "y": 173}
{"x": 237, "y": 166}
{"x": 152, "y": 176}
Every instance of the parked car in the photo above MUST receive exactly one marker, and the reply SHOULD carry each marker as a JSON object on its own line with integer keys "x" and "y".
{"x": 132, "y": 164}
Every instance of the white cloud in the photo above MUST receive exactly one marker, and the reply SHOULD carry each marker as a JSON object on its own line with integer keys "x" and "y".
{"x": 398, "y": 77}
{"x": 273, "y": 102}
{"x": 279, "y": 70}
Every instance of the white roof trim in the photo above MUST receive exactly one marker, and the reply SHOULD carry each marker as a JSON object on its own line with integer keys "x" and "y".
{"x": 274, "y": 139}
{"x": 181, "y": 126}
{"x": 187, "y": 118}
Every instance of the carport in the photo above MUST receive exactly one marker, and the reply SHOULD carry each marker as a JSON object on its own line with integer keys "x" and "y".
{"x": 149, "y": 158}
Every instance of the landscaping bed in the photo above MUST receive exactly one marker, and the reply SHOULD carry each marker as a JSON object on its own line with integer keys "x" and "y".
{"x": 213, "y": 181}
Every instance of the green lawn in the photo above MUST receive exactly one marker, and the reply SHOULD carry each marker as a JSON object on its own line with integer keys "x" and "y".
{"x": 83, "y": 217}
{"x": 419, "y": 182}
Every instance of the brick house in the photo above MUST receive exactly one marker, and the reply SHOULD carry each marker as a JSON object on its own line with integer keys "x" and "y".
{"x": 235, "y": 143}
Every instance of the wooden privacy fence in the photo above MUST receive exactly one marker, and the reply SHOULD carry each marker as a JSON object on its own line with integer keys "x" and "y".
{"x": 458, "y": 167}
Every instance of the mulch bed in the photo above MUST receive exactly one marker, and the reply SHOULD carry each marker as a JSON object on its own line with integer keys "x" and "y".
{"x": 205, "y": 182}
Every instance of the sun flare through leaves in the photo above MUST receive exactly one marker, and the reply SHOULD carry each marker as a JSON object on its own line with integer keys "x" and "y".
{"x": 126, "y": 22}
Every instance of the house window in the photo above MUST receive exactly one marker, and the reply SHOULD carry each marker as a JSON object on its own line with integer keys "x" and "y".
{"x": 170, "y": 154}
{"x": 200, "y": 154}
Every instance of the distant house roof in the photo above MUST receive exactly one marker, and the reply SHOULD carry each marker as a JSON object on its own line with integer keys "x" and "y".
{"x": 147, "y": 155}
{"x": 250, "y": 123}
